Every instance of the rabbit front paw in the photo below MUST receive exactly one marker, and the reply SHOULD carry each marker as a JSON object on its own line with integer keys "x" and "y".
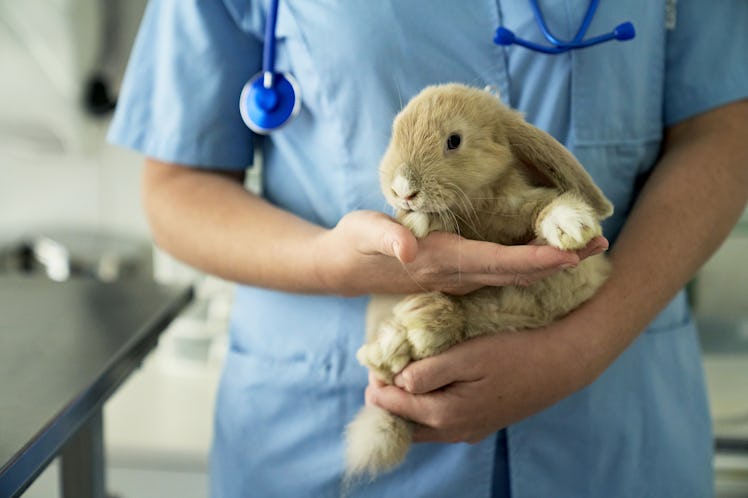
{"x": 419, "y": 223}
{"x": 568, "y": 224}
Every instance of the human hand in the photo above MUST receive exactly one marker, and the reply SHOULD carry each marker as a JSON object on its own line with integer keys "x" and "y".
{"x": 369, "y": 252}
{"x": 482, "y": 385}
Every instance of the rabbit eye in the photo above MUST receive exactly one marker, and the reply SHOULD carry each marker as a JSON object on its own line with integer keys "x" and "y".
{"x": 453, "y": 141}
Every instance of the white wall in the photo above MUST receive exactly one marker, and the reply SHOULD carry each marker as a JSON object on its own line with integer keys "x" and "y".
{"x": 55, "y": 169}
{"x": 57, "y": 172}
{"x": 98, "y": 190}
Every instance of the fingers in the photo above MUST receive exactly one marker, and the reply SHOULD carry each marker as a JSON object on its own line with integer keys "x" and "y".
{"x": 417, "y": 394}
{"x": 498, "y": 265}
{"x": 376, "y": 233}
{"x": 487, "y": 264}
{"x": 421, "y": 409}
{"x": 400, "y": 400}
{"x": 439, "y": 394}
{"x": 375, "y": 381}
{"x": 595, "y": 246}
{"x": 396, "y": 240}
{"x": 435, "y": 372}
{"x": 447, "y": 262}
{"x": 392, "y": 239}
{"x": 433, "y": 413}
{"x": 530, "y": 259}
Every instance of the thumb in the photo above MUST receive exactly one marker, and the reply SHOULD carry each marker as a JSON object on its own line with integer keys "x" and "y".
{"x": 393, "y": 239}
{"x": 429, "y": 374}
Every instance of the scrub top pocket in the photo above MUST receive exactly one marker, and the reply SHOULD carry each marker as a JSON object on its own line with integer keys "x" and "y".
{"x": 617, "y": 88}
{"x": 256, "y": 394}
{"x": 616, "y": 111}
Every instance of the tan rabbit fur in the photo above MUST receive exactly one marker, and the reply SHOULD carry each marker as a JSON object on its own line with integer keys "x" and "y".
{"x": 502, "y": 180}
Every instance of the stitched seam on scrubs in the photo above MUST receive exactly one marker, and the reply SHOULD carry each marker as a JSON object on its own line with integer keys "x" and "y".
{"x": 251, "y": 24}
{"x": 330, "y": 116}
{"x": 501, "y": 72}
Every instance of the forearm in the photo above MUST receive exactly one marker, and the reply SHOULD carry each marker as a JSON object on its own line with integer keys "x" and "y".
{"x": 211, "y": 222}
{"x": 208, "y": 219}
{"x": 688, "y": 206}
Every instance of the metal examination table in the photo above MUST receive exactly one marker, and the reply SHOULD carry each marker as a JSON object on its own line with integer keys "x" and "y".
{"x": 64, "y": 349}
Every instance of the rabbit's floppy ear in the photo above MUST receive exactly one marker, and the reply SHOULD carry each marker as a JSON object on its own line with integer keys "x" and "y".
{"x": 543, "y": 155}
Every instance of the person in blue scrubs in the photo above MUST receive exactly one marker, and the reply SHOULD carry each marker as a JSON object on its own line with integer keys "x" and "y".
{"x": 609, "y": 401}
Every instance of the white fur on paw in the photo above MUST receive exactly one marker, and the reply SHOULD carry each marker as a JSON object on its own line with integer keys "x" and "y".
{"x": 569, "y": 227}
{"x": 388, "y": 354}
{"x": 418, "y": 223}
{"x": 390, "y": 338}
{"x": 432, "y": 322}
{"x": 422, "y": 341}
{"x": 395, "y": 347}
{"x": 370, "y": 355}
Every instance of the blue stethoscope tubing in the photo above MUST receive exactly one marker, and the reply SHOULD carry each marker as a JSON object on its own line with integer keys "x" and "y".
{"x": 622, "y": 32}
{"x": 269, "y": 100}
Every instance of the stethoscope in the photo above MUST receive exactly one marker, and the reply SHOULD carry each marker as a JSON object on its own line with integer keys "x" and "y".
{"x": 269, "y": 100}
{"x": 622, "y": 32}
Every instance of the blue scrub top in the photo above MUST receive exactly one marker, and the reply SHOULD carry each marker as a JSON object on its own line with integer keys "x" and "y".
{"x": 291, "y": 381}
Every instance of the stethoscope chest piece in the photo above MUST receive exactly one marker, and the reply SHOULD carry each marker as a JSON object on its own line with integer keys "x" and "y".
{"x": 268, "y": 101}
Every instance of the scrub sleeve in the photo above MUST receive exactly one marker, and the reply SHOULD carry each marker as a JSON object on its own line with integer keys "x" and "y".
{"x": 706, "y": 63}
{"x": 188, "y": 66}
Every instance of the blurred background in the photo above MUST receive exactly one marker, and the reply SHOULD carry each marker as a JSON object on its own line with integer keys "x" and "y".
{"x": 70, "y": 208}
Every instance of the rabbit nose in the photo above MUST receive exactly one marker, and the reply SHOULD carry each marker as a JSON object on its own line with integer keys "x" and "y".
{"x": 402, "y": 188}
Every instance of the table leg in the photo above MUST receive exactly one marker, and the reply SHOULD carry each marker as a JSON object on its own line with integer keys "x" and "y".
{"x": 83, "y": 466}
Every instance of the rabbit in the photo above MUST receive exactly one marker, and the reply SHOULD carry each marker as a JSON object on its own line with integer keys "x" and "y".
{"x": 461, "y": 161}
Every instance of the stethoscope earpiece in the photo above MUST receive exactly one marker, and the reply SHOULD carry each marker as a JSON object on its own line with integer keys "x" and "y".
{"x": 269, "y": 101}
{"x": 624, "y": 31}
{"x": 503, "y": 36}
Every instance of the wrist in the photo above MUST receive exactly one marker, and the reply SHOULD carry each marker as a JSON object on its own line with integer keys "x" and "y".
{"x": 333, "y": 267}
{"x": 595, "y": 334}
{"x": 322, "y": 263}
{"x": 568, "y": 365}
